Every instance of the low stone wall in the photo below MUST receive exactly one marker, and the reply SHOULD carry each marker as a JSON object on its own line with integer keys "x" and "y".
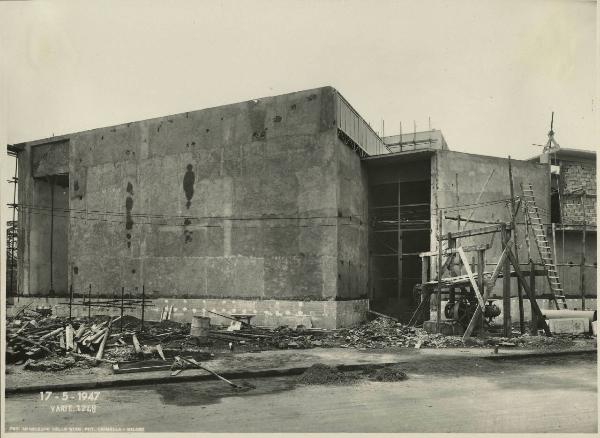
{"x": 271, "y": 313}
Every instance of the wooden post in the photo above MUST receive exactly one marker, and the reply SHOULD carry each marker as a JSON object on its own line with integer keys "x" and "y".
{"x": 507, "y": 322}
{"x": 439, "y": 289}
{"x": 480, "y": 281}
{"x": 452, "y": 245}
{"x": 143, "y": 304}
{"x": 122, "y": 304}
{"x": 424, "y": 279}
{"x": 90, "y": 302}
{"x": 534, "y": 316}
{"x": 399, "y": 244}
{"x": 513, "y": 222}
{"x": 457, "y": 203}
{"x": 51, "y": 236}
{"x": 582, "y": 269}
{"x": 70, "y": 302}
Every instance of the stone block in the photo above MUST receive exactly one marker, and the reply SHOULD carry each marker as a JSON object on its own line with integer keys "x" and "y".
{"x": 571, "y": 326}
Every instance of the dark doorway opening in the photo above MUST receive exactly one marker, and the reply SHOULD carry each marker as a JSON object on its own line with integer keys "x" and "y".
{"x": 400, "y": 215}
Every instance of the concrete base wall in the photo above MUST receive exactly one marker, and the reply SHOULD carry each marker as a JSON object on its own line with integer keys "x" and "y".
{"x": 271, "y": 313}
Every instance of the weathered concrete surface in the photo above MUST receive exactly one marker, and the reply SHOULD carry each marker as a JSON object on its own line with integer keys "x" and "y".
{"x": 271, "y": 313}
{"x": 571, "y": 326}
{"x": 242, "y": 202}
{"x": 253, "y": 200}
{"x": 472, "y": 171}
{"x": 353, "y": 256}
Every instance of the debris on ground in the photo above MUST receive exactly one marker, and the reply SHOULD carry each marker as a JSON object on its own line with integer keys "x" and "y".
{"x": 390, "y": 373}
{"x": 321, "y": 374}
{"x": 44, "y": 341}
{"x": 57, "y": 364}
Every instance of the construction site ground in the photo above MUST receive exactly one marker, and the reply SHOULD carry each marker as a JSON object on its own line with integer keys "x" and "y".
{"x": 425, "y": 391}
{"x": 280, "y": 362}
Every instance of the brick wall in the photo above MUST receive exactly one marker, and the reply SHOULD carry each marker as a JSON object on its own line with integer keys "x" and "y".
{"x": 576, "y": 175}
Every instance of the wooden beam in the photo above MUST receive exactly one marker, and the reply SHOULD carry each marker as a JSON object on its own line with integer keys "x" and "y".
{"x": 534, "y": 318}
{"x": 492, "y": 281}
{"x": 473, "y": 221}
{"x": 506, "y": 320}
{"x": 476, "y": 231}
{"x": 534, "y": 306}
{"x": 438, "y": 299}
{"x": 513, "y": 216}
{"x": 471, "y": 277}
{"x": 448, "y": 251}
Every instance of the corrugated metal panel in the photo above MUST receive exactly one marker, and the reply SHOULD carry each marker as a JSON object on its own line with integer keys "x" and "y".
{"x": 355, "y": 127}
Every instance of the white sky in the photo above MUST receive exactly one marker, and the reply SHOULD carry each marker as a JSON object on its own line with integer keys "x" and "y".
{"x": 488, "y": 73}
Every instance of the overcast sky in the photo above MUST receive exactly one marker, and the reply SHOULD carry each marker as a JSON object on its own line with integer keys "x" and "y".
{"x": 488, "y": 73}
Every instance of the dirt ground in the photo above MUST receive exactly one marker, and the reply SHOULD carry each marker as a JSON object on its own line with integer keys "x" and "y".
{"x": 441, "y": 394}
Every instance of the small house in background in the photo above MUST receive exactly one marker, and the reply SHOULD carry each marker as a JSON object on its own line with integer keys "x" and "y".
{"x": 572, "y": 227}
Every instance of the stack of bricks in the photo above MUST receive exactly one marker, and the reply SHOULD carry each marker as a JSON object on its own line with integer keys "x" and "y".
{"x": 577, "y": 177}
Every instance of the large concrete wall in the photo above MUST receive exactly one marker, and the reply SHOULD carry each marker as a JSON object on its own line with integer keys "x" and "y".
{"x": 42, "y": 230}
{"x": 471, "y": 172}
{"x": 249, "y": 200}
{"x": 352, "y": 196}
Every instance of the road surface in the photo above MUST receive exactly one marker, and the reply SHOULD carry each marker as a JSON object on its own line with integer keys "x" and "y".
{"x": 452, "y": 395}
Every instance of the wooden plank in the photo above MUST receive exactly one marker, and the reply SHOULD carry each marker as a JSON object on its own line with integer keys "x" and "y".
{"x": 382, "y": 315}
{"x": 449, "y": 251}
{"x": 492, "y": 281}
{"x": 438, "y": 300}
{"x": 473, "y": 221}
{"x": 475, "y": 231}
{"x": 160, "y": 352}
{"x": 69, "y": 337}
{"x": 475, "y": 319}
{"x": 136, "y": 345}
{"x": 471, "y": 277}
{"x": 534, "y": 318}
{"x": 118, "y": 370}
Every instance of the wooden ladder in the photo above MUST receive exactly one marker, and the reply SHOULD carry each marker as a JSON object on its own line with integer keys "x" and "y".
{"x": 532, "y": 212}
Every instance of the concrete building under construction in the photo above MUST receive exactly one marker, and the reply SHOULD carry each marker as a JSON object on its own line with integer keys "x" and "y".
{"x": 290, "y": 208}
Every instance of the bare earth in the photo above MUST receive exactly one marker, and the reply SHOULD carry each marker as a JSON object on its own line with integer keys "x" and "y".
{"x": 440, "y": 395}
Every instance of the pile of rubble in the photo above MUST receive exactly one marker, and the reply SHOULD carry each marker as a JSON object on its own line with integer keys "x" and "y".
{"x": 44, "y": 342}
{"x": 386, "y": 332}
{"x": 36, "y": 336}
